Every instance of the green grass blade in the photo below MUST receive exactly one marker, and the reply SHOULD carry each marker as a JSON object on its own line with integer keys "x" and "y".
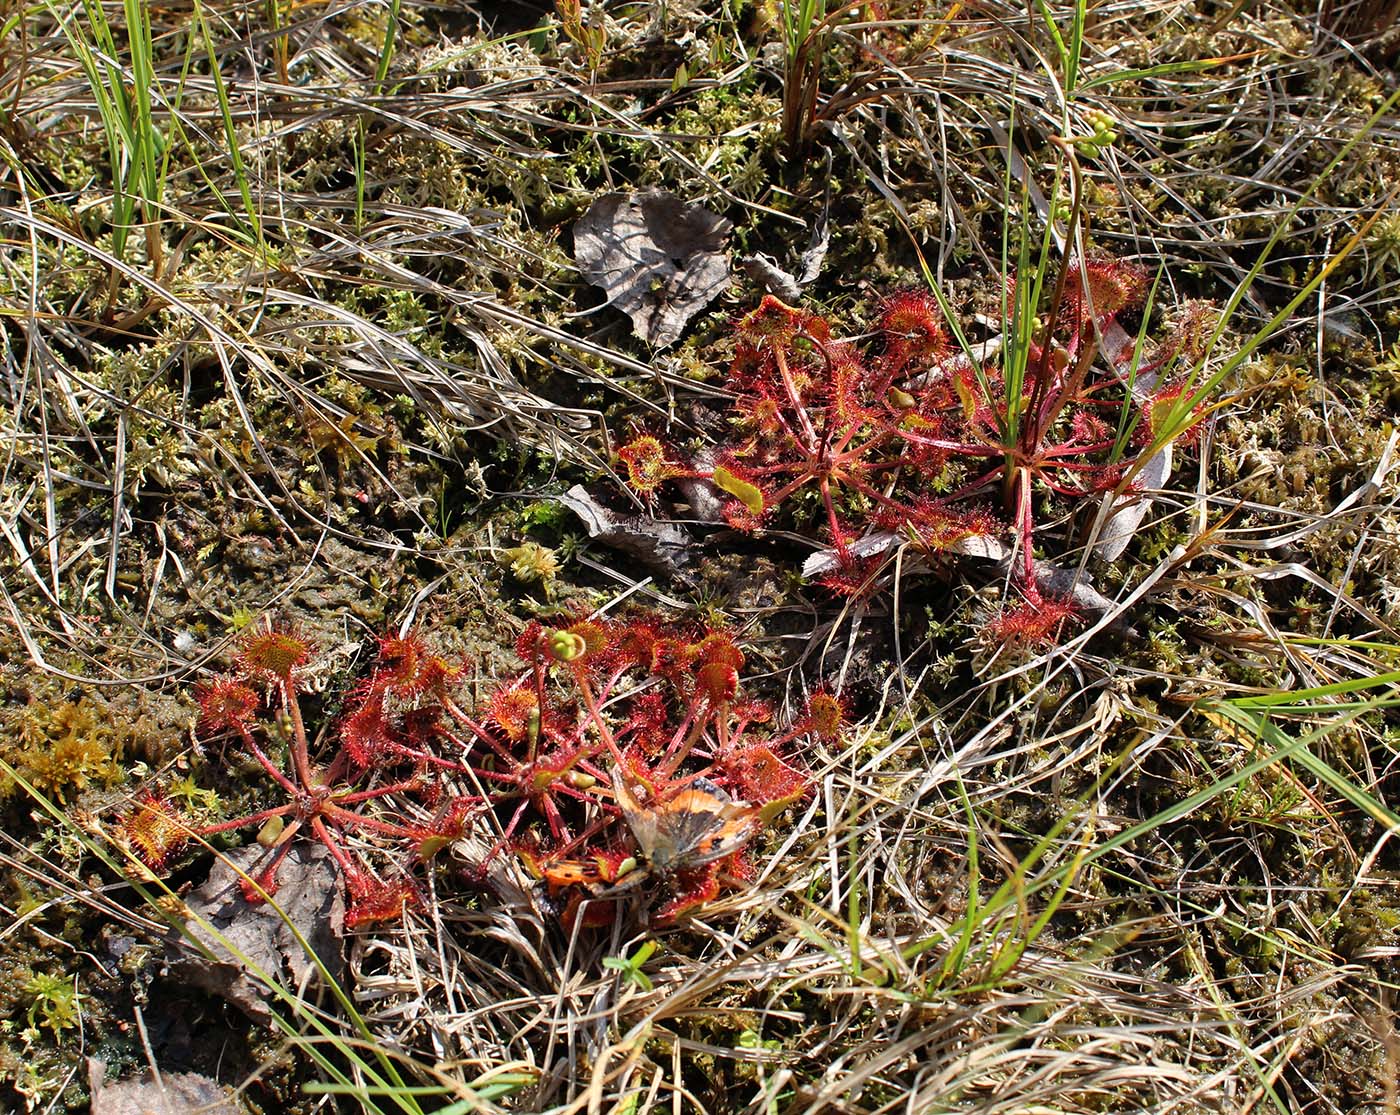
{"x": 1166, "y": 69}
{"x": 240, "y": 169}
{"x": 1259, "y": 726}
{"x": 1352, "y": 685}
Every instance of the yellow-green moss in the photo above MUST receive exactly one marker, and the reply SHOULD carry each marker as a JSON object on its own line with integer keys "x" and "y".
{"x": 64, "y": 743}
{"x": 61, "y": 749}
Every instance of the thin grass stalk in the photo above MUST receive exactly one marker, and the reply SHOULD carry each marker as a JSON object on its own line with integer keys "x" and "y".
{"x": 381, "y": 72}
{"x": 240, "y": 169}
{"x": 151, "y": 154}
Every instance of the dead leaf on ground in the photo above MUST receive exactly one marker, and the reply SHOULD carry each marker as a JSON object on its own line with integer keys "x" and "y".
{"x": 175, "y": 1093}
{"x": 253, "y": 944}
{"x": 764, "y": 271}
{"x": 1127, "y": 511}
{"x": 658, "y": 545}
{"x": 659, "y": 260}
{"x": 974, "y": 550}
{"x": 982, "y": 546}
{"x": 1075, "y": 586}
{"x": 784, "y": 285}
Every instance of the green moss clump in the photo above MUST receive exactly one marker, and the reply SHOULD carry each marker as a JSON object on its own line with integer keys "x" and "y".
{"x": 60, "y": 749}
{"x": 64, "y": 742}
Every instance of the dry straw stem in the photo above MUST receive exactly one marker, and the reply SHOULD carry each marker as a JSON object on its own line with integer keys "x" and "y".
{"x": 1266, "y": 141}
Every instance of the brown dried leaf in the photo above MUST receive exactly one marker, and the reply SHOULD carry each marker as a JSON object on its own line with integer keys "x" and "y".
{"x": 254, "y": 944}
{"x": 660, "y": 546}
{"x": 764, "y": 271}
{"x": 175, "y": 1093}
{"x": 981, "y": 546}
{"x": 659, "y": 260}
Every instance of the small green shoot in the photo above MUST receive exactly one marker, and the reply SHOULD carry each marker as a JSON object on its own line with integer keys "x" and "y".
{"x": 587, "y": 32}
{"x": 54, "y": 1002}
{"x": 630, "y": 968}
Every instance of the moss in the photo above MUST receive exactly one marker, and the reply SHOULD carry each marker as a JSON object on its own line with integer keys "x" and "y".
{"x": 1165, "y": 647}
{"x": 61, "y": 749}
{"x": 734, "y": 133}
{"x": 50, "y": 1015}
{"x": 53, "y": 1003}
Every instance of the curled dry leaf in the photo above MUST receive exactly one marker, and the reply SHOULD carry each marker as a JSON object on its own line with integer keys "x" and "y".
{"x": 810, "y": 265}
{"x": 704, "y": 499}
{"x": 659, "y": 260}
{"x": 1051, "y": 578}
{"x": 252, "y": 945}
{"x": 1128, "y": 510}
{"x": 657, "y": 545}
{"x": 985, "y": 547}
{"x": 1071, "y": 585}
{"x": 822, "y": 562}
{"x": 764, "y": 271}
